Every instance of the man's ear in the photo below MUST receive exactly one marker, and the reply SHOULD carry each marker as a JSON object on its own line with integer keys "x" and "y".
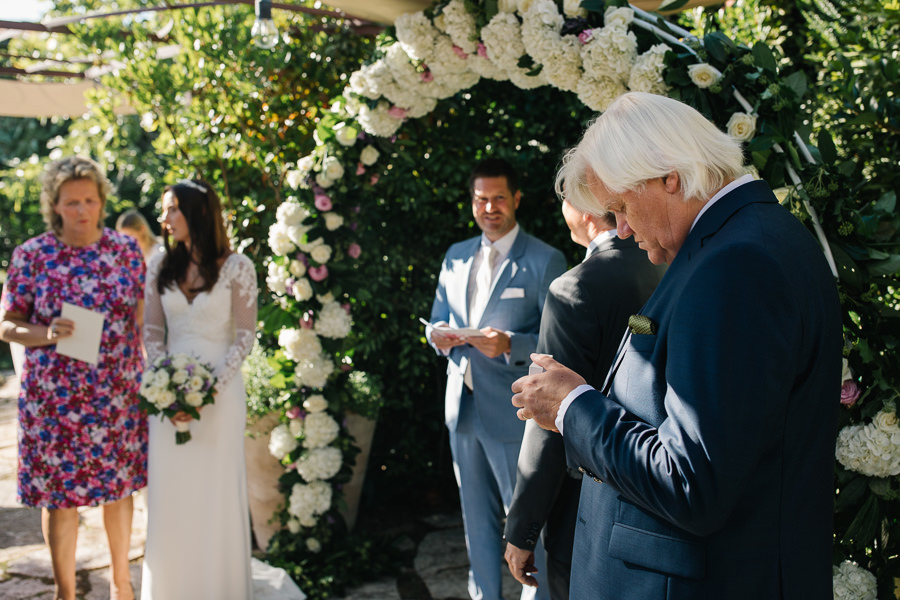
{"x": 672, "y": 183}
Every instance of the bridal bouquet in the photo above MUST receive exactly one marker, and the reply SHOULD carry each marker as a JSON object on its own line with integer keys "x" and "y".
{"x": 177, "y": 383}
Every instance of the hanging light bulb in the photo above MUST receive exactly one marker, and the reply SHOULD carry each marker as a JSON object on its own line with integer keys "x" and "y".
{"x": 264, "y": 32}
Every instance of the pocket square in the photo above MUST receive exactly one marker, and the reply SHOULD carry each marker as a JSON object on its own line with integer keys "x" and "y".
{"x": 512, "y": 293}
{"x": 641, "y": 325}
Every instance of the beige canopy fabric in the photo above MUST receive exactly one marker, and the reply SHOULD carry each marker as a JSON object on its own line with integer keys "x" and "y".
{"x": 26, "y": 99}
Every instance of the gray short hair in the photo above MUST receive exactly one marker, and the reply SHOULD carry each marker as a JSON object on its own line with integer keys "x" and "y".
{"x": 644, "y": 136}
{"x": 66, "y": 169}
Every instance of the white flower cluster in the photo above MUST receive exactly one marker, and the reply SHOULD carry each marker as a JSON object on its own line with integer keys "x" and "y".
{"x": 459, "y": 24}
{"x": 320, "y": 464}
{"x": 851, "y": 582}
{"x": 333, "y": 321}
{"x": 288, "y": 232}
{"x": 319, "y": 430}
{"x": 308, "y": 501}
{"x": 647, "y": 72}
{"x": 872, "y": 449}
{"x": 560, "y": 55}
{"x": 281, "y": 442}
{"x": 303, "y": 347}
{"x": 177, "y": 378}
{"x": 315, "y": 403}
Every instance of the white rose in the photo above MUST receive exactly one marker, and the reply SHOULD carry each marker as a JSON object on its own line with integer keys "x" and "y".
{"x": 315, "y": 403}
{"x": 346, "y": 136}
{"x": 369, "y": 155}
{"x": 194, "y": 399}
{"x": 180, "y": 361}
{"x": 324, "y": 181}
{"x": 291, "y": 213}
{"x": 179, "y": 376}
{"x": 321, "y": 254}
{"x": 621, "y": 15}
{"x": 572, "y": 8}
{"x": 281, "y": 442}
{"x": 313, "y": 545}
{"x": 294, "y": 178}
{"x": 297, "y": 268}
{"x": 333, "y": 221}
{"x": 887, "y": 421}
{"x": 279, "y": 240}
{"x": 333, "y": 168}
{"x": 302, "y": 290}
{"x": 741, "y": 126}
{"x": 196, "y": 383}
{"x": 306, "y": 163}
{"x": 704, "y": 75}
{"x": 293, "y": 526}
{"x": 161, "y": 379}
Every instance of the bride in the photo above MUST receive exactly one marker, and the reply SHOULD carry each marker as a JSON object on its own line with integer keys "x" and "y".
{"x": 200, "y": 299}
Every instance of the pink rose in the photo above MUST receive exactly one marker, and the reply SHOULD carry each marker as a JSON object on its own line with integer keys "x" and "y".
{"x": 293, "y": 412}
{"x": 373, "y": 179}
{"x": 318, "y": 273}
{"x": 360, "y": 168}
{"x": 354, "y": 250}
{"x": 482, "y": 50}
{"x": 460, "y": 52}
{"x": 849, "y": 393}
{"x": 427, "y": 77}
{"x": 323, "y": 202}
{"x": 306, "y": 321}
{"x": 585, "y": 36}
{"x": 346, "y": 307}
{"x": 397, "y": 112}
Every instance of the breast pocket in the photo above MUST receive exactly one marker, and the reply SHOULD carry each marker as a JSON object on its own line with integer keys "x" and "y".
{"x": 639, "y": 382}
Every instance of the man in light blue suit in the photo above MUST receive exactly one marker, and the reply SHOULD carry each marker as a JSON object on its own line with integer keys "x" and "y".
{"x": 495, "y": 283}
{"x": 708, "y": 452}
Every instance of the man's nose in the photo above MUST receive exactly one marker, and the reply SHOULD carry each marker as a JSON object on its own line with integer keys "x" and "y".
{"x": 622, "y": 228}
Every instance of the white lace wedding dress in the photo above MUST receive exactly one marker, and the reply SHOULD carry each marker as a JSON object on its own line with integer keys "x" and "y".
{"x": 198, "y": 532}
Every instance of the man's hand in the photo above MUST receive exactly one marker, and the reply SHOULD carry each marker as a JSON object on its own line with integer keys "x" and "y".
{"x": 445, "y": 341}
{"x": 521, "y": 564}
{"x": 493, "y": 344}
{"x": 538, "y": 396}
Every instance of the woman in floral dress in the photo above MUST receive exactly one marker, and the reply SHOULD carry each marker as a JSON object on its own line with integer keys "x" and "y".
{"x": 82, "y": 439}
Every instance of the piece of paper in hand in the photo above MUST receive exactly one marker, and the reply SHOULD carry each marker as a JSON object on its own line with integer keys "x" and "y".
{"x": 84, "y": 343}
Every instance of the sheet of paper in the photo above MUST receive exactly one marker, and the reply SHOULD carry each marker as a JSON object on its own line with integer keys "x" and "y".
{"x": 460, "y": 331}
{"x": 84, "y": 343}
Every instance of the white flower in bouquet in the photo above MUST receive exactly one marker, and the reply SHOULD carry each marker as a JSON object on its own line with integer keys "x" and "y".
{"x": 180, "y": 361}
{"x": 296, "y": 268}
{"x": 320, "y": 463}
{"x": 179, "y": 376}
{"x": 296, "y": 427}
{"x": 313, "y": 545}
{"x": 324, "y": 181}
{"x": 299, "y": 344}
{"x": 277, "y": 277}
{"x": 294, "y": 178}
{"x": 741, "y": 126}
{"x": 541, "y": 13}
{"x": 279, "y": 241}
{"x": 196, "y": 383}
{"x": 379, "y": 121}
{"x": 333, "y": 321}
{"x": 281, "y": 442}
{"x": 647, "y": 72}
{"x": 572, "y": 8}
{"x": 315, "y": 403}
{"x": 704, "y": 75}
{"x": 319, "y": 430}
{"x": 416, "y": 34}
{"x": 369, "y": 155}
{"x": 293, "y": 526}
{"x": 333, "y": 221}
{"x": 301, "y": 289}
{"x": 321, "y": 253}
{"x": 618, "y": 15}
{"x": 598, "y": 94}
{"x": 161, "y": 378}
{"x": 314, "y": 371}
{"x": 852, "y": 582}
{"x": 459, "y": 24}
{"x": 194, "y": 399}
{"x": 345, "y": 135}
{"x": 872, "y": 449}
{"x": 291, "y": 213}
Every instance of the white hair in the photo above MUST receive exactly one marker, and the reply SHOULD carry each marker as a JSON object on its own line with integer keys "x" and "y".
{"x": 644, "y": 136}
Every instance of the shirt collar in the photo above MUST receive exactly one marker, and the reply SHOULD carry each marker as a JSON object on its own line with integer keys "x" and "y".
{"x": 504, "y": 244}
{"x": 595, "y": 243}
{"x": 743, "y": 179}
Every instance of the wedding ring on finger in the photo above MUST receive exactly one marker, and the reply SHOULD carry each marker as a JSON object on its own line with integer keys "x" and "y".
{"x": 53, "y": 330}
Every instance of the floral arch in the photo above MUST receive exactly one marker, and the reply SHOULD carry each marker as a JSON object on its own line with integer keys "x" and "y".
{"x": 433, "y": 55}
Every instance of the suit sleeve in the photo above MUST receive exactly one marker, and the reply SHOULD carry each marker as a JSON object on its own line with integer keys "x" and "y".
{"x": 440, "y": 309}
{"x": 521, "y": 345}
{"x": 726, "y": 374}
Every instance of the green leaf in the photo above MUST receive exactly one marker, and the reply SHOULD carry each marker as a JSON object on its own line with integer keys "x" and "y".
{"x": 887, "y": 202}
{"x": 597, "y": 6}
{"x": 864, "y": 526}
{"x": 851, "y": 493}
{"x": 763, "y": 57}
{"x": 826, "y": 147}
{"x": 796, "y": 81}
{"x": 718, "y": 45}
{"x": 889, "y": 266}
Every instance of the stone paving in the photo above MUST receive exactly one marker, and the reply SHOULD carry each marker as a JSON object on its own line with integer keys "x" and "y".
{"x": 439, "y": 570}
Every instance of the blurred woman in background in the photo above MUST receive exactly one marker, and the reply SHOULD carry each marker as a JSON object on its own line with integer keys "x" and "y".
{"x": 132, "y": 223}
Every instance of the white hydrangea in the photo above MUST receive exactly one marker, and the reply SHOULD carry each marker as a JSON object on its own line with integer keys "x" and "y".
{"x": 598, "y": 94}
{"x": 276, "y": 278}
{"x": 301, "y": 289}
{"x": 333, "y": 321}
{"x": 618, "y": 15}
{"x": 369, "y": 155}
{"x": 872, "y": 449}
{"x": 333, "y": 221}
{"x": 320, "y": 463}
{"x": 647, "y": 71}
{"x": 611, "y": 52}
{"x": 291, "y": 213}
{"x": 321, "y": 253}
{"x": 319, "y": 430}
{"x": 315, "y": 403}
{"x": 308, "y": 501}
{"x": 459, "y": 24}
{"x": 851, "y": 582}
{"x": 313, "y": 371}
{"x": 572, "y": 9}
{"x": 444, "y": 61}
{"x": 296, "y": 427}
{"x": 279, "y": 241}
{"x": 502, "y": 38}
{"x": 416, "y": 34}
{"x": 281, "y": 442}
{"x": 362, "y": 84}
{"x": 378, "y": 121}
{"x": 300, "y": 344}
{"x": 297, "y": 268}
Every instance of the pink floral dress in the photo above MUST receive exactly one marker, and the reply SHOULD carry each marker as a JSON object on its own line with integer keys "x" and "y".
{"x": 82, "y": 438}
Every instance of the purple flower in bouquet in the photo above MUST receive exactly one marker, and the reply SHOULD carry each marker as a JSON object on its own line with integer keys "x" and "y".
{"x": 849, "y": 393}
{"x": 177, "y": 384}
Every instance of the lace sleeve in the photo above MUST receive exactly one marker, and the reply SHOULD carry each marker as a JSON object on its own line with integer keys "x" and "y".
{"x": 243, "y": 307}
{"x": 154, "y": 318}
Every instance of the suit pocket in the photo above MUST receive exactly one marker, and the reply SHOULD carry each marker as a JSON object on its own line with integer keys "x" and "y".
{"x": 639, "y": 383}
{"x": 642, "y": 540}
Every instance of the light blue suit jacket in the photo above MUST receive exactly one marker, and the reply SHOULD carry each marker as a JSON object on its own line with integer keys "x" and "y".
{"x": 514, "y": 306}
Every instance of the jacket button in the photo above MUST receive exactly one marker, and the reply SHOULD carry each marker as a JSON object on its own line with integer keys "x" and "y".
{"x": 581, "y": 470}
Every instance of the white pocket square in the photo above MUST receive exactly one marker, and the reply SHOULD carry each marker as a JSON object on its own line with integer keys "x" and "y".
{"x": 512, "y": 293}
